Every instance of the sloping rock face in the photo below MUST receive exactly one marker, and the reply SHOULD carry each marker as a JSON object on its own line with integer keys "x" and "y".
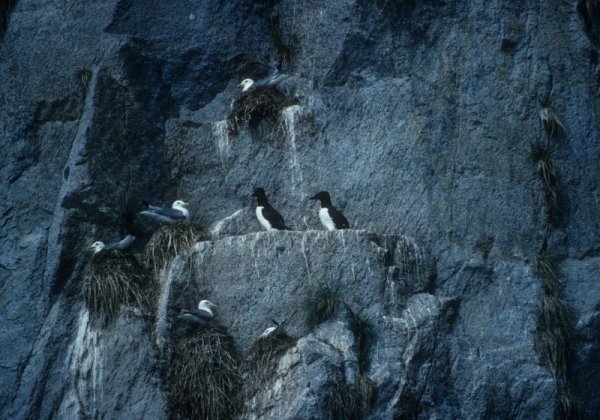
{"x": 417, "y": 117}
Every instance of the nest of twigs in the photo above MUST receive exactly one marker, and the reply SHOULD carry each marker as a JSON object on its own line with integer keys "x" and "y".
{"x": 350, "y": 401}
{"x": 112, "y": 279}
{"x": 261, "y": 363}
{"x": 169, "y": 241}
{"x": 204, "y": 380}
{"x": 256, "y": 105}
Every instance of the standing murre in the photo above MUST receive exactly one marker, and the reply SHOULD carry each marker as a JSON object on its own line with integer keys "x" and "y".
{"x": 267, "y": 216}
{"x": 330, "y": 217}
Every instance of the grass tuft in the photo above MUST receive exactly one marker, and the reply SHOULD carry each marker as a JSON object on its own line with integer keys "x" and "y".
{"x": 112, "y": 279}
{"x": 551, "y": 344}
{"x": 552, "y": 312}
{"x": 84, "y": 76}
{"x": 568, "y": 406}
{"x": 551, "y": 123}
{"x": 169, "y": 241}
{"x": 255, "y": 105}
{"x": 204, "y": 380}
{"x": 350, "y": 401}
{"x": 364, "y": 333}
{"x": 261, "y": 363}
{"x": 541, "y": 157}
{"x": 320, "y": 305}
{"x": 544, "y": 268}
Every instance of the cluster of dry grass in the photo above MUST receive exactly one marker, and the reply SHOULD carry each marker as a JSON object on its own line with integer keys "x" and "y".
{"x": 169, "y": 241}
{"x": 350, "y": 401}
{"x": 204, "y": 376}
{"x": 263, "y": 103}
{"x": 552, "y": 337}
{"x": 261, "y": 363}
{"x": 112, "y": 279}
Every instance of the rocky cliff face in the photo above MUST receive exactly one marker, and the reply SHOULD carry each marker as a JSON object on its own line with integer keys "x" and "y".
{"x": 418, "y": 117}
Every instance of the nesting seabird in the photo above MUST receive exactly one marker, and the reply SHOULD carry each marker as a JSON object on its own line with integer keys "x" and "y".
{"x": 267, "y": 216}
{"x": 272, "y": 80}
{"x": 278, "y": 331}
{"x": 178, "y": 211}
{"x": 121, "y": 245}
{"x": 330, "y": 217}
{"x": 201, "y": 316}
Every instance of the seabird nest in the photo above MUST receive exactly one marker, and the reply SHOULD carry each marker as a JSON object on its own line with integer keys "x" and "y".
{"x": 261, "y": 363}
{"x": 111, "y": 279}
{"x": 255, "y": 105}
{"x": 350, "y": 401}
{"x": 204, "y": 380}
{"x": 169, "y": 241}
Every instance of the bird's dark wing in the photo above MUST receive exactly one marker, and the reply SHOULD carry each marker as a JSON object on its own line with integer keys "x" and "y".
{"x": 167, "y": 212}
{"x": 274, "y": 218}
{"x": 338, "y": 218}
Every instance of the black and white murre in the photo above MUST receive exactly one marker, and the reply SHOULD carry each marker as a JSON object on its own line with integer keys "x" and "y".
{"x": 267, "y": 216}
{"x": 330, "y": 217}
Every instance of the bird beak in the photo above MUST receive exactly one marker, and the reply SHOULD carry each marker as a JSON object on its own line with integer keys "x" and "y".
{"x": 214, "y": 306}
{"x": 185, "y": 204}
{"x": 240, "y": 85}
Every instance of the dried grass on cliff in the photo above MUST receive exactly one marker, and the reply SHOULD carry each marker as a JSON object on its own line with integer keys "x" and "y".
{"x": 261, "y": 363}
{"x": 204, "y": 379}
{"x": 263, "y": 103}
{"x": 112, "y": 279}
{"x": 169, "y": 241}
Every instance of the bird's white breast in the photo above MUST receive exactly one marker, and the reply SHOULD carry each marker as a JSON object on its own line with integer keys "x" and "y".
{"x": 263, "y": 222}
{"x": 326, "y": 219}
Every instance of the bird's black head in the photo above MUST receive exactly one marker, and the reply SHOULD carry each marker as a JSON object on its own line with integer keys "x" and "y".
{"x": 259, "y": 193}
{"x": 323, "y": 197}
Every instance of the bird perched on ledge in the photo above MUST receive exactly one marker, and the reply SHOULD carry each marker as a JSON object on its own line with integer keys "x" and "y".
{"x": 201, "y": 316}
{"x": 278, "y": 331}
{"x": 121, "y": 245}
{"x": 272, "y": 80}
{"x": 267, "y": 216}
{"x": 178, "y": 211}
{"x": 330, "y": 217}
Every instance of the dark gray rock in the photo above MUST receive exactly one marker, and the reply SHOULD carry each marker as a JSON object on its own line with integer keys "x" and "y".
{"x": 416, "y": 116}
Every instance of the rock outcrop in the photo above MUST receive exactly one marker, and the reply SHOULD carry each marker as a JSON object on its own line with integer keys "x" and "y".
{"x": 418, "y": 117}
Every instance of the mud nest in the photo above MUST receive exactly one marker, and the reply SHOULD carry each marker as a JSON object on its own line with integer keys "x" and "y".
{"x": 255, "y": 105}
{"x": 261, "y": 363}
{"x": 350, "y": 401}
{"x": 204, "y": 380}
{"x": 112, "y": 279}
{"x": 169, "y": 241}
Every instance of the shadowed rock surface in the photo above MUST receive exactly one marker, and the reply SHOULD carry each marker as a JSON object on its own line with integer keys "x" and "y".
{"x": 417, "y": 117}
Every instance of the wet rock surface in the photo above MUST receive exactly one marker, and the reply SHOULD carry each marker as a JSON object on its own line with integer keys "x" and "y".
{"x": 416, "y": 116}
